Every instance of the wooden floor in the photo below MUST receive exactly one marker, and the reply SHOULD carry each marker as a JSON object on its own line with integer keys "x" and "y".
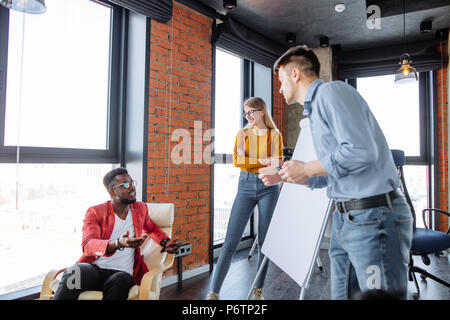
{"x": 279, "y": 286}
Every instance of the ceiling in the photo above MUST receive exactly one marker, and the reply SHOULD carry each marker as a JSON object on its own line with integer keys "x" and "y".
{"x": 311, "y": 19}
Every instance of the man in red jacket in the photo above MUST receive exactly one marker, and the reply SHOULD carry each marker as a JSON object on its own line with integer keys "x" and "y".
{"x": 112, "y": 233}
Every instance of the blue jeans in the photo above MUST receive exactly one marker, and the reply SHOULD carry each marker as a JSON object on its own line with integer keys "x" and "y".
{"x": 369, "y": 249}
{"x": 251, "y": 192}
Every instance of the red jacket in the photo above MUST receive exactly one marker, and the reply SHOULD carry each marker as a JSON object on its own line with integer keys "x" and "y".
{"x": 98, "y": 225}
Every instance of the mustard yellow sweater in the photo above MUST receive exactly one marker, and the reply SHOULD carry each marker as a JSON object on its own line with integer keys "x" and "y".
{"x": 249, "y": 147}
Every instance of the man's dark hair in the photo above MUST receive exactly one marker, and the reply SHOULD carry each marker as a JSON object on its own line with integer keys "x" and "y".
{"x": 109, "y": 178}
{"x": 302, "y": 57}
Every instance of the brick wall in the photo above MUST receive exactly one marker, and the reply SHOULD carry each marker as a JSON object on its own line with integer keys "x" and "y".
{"x": 179, "y": 94}
{"x": 442, "y": 96}
{"x": 279, "y": 107}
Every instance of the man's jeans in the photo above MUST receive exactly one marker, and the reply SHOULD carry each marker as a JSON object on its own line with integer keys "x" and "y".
{"x": 251, "y": 192}
{"x": 369, "y": 249}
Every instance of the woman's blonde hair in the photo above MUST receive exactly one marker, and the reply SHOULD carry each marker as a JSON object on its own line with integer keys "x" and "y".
{"x": 259, "y": 104}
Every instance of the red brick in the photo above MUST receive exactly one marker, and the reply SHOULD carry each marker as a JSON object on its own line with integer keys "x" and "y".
{"x": 187, "y": 195}
{"x": 187, "y": 211}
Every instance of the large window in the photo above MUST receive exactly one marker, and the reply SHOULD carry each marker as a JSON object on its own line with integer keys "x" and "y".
{"x": 400, "y": 115}
{"x": 60, "y": 89}
{"x": 61, "y": 96}
{"x": 62, "y": 79}
{"x": 227, "y": 122}
{"x": 42, "y": 218}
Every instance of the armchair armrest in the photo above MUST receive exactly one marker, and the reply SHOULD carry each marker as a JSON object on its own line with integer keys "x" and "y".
{"x": 46, "y": 291}
{"x": 437, "y": 210}
{"x": 148, "y": 280}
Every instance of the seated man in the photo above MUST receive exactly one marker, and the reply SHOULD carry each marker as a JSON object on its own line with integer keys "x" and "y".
{"x": 112, "y": 233}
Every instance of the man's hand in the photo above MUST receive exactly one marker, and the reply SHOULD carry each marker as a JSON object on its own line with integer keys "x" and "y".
{"x": 126, "y": 242}
{"x": 294, "y": 171}
{"x": 169, "y": 243}
{"x": 269, "y": 174}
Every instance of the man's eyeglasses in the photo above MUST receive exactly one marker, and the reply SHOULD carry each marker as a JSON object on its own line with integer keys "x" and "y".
{"x": 250, "y": 113}
{"x": 126, "y": 185}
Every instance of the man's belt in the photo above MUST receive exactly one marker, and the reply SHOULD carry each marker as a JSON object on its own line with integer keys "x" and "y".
{"x": 369, "y": 202}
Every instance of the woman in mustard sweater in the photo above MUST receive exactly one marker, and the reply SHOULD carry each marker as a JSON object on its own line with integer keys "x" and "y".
{"x": 260, "y": 139}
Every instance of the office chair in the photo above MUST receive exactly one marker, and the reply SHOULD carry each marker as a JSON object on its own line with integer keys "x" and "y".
{"x": 162, "y": 214}
{"x": 425, "y": 240}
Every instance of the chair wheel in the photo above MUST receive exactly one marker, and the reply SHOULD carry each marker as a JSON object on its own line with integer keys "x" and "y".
{"x": 423, "y": 277}
{"x": 425, "y": 259}
{"x": 415, "y": 296}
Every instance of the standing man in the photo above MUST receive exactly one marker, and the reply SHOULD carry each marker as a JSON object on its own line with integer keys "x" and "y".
{"x": 372, "y": 225}
{"x": 112, "y": 233}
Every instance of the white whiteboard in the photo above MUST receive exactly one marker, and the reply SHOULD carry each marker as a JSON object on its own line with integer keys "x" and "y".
{"x": 294, "y": 232}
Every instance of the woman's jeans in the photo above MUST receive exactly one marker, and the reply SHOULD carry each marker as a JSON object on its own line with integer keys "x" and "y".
{"x": 369, "y": 249}
{"x": 251, "y": 192}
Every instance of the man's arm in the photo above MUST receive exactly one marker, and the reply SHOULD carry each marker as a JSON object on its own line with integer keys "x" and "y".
{"x": 91, "y": 243}
{"x": 345, "y": 112}
{"x": 317, "y": 182}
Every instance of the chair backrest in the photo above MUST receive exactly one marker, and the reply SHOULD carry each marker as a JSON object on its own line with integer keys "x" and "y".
{"x": 162, "y": 214}
{"x": 400, "y": 161}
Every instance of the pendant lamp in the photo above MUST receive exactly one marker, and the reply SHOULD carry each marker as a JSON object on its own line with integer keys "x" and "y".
{"x": 27, "y": 6}
{"x": 406, "y": 73}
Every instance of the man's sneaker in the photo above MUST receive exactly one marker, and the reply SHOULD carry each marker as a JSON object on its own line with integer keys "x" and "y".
{"x": 212, "y": 296}
{"x": 258, "y": 294}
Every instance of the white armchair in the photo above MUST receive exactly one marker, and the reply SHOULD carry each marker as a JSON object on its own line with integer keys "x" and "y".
{"x": 162, "y": 214}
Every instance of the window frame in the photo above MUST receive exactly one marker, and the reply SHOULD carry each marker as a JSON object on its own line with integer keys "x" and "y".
{"x": 114, "y": 153}
{"x": 428, "y": 138}
{"x": 227, "y": 158}
{"x": 8, "y": 154}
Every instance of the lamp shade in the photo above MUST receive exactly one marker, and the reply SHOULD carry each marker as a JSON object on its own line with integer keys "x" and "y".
{"x": 406, "y": 73}
{"x": 27, "y": 6}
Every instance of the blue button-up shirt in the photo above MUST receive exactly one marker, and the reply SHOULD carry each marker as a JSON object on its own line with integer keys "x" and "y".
{"x": 349, "y": 143}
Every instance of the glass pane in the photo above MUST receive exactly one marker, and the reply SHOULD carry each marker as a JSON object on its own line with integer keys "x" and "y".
{"x": 228, "y": 104}
{"x": 416, "y": 178}
{"x": 396, "y": 108}
{"x": 65, "y": 76}
{"x": 46, "y": 228}
{"x": 226, "y": 178}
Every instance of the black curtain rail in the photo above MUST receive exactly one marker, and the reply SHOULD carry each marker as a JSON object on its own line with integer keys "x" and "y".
{"x": 237, "y": 38}
{"x": 159, "y": 10}
{"x": 385, "y": 60}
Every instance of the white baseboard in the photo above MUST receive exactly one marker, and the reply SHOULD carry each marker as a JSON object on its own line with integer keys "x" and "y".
{"x": 186, "y": 275}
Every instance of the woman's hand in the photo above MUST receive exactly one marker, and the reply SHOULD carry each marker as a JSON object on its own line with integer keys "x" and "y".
{"x": 269, "y": 174}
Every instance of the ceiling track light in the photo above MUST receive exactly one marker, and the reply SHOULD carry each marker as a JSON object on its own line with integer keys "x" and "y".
{"x": 426, "y": 26}
{"x": 324, "y": 42}
{"x": 230, "y": 4}
{"x": 291, "y": 38}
